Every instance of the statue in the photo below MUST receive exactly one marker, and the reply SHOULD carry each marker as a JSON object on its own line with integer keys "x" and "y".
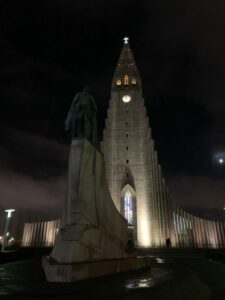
{"x": 81, "y": 119}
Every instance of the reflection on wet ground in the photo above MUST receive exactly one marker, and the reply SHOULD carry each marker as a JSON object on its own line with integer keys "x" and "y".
{"x": 156, "y": 276}
{"x": 160, "y": 260}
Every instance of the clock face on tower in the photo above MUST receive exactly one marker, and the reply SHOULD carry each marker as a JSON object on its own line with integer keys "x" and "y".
{"x": 126, "y": 98}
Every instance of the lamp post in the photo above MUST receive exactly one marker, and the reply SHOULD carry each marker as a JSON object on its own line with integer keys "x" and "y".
{"x": 6, "y": 233}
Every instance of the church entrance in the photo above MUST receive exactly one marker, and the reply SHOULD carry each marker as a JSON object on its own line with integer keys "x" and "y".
{"x": 128, "y": 210}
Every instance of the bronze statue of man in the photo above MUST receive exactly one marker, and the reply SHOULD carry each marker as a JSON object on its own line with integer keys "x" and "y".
{"x": 81, "y": 119}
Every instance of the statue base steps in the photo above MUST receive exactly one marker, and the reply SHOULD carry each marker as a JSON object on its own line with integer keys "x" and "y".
{"x": 59, "y": 272}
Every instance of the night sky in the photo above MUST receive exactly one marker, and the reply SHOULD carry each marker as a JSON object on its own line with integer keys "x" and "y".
{"x": 50, "y": 49}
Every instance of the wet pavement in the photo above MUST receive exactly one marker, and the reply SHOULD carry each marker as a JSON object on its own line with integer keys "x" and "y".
{"x": 175, "y": 275}
{"x": 26, "y": 278}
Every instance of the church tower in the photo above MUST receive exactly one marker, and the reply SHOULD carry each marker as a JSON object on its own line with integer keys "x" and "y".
{"x": 133, "y": 173}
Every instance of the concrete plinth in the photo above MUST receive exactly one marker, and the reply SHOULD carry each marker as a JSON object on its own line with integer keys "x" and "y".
{"x": 59, "y": 272}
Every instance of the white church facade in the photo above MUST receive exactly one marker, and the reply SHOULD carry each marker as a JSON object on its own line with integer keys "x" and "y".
{"x": 134, "y": 175}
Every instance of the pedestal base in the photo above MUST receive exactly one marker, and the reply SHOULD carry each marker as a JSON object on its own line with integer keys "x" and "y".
{"x": 56, "y": 272}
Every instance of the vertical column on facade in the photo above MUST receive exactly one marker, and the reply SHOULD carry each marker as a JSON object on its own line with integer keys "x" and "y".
{"x": 174, "y": 225}
{"x": 211, "y": 234}
{"x": 41, "y": 233}
{"x": 196, "y": 232}
{"x": 25, "y": 236}
{"x": 44, "y": 234}
{"x": 155, "y": 227}
{"x": 166, "y": 211}
{"x": 151, "y": 190}
{"x": 162, "y": 208}
{"x": 32, "y": 234}
{"x": 193, "y": 230}
{"x": 199, "y": 233}
{"x": 183, "y": 227}
{"x": 155, "y": 198}
{"x": 218, "y": 234}
{"x": 203, "y": 233}
{"x": 215, "y": 234}
{"x": 37, "y": 234}
{"x": 187, "y": 231}
{"x": 212, "y": 241}
{"x": 206, "y": 232}
{"x": 170, "y": 208}
{"x": 158, "y": 200}
{"x": 222, "y": 234}
{"x": 186, "y": 228}
{"x": 190, "y": 234}
{"x": 179, "y": 227}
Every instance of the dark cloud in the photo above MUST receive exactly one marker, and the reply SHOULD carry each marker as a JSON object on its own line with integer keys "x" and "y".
{"x": 32, "y": 155}
{"x": 198, "y": 192}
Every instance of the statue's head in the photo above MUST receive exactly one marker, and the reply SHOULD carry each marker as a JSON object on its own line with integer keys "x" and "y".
{"x": 86, "y": 89}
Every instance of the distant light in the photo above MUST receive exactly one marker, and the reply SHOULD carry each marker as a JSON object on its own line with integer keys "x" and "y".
{"x": 9, "y": 212}
{"x": 7, "y": 234}
{"x": 221, "y": 160}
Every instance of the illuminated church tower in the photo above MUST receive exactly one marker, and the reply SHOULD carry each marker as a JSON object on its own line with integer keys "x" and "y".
{"x": 133, "y": 173}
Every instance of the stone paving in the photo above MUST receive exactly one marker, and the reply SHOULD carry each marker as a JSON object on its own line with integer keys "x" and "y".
{"x": 175, "y": 275}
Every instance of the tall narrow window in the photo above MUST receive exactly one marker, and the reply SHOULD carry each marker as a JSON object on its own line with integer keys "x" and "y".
{"x": 126, "y": 80}
{"x": 128, "y": 208}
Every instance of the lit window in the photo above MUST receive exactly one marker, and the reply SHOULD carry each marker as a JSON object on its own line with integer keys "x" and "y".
{"x": 128, "y": 208}
{"x": 126, "y": 80}
{"x": 118, "y": 83}
{"x": 134, "y": 82}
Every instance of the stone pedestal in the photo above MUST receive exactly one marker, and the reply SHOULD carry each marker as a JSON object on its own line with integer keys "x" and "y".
{"x": 56, "y": 272}
{"x": 93, "y": 238}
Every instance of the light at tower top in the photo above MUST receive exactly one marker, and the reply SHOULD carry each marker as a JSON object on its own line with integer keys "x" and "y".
{"x": 126, "y": 75}
{"x": 126, "y": 40}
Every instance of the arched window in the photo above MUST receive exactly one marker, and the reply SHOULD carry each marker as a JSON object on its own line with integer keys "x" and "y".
{"x": 118, "y": 82}
{"x": 134, "y": 81}
{"x": 128, "y": 208}
{"x": 126, "y": 80}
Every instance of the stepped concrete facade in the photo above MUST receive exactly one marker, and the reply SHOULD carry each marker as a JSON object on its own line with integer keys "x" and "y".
{"x": 134, "y": 174}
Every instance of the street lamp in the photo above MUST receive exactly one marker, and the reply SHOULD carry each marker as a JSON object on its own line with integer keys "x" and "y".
{"x": 6, "y": 233}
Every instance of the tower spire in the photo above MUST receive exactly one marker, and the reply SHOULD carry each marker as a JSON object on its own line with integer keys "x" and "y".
{"x": 126, "y": 74}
